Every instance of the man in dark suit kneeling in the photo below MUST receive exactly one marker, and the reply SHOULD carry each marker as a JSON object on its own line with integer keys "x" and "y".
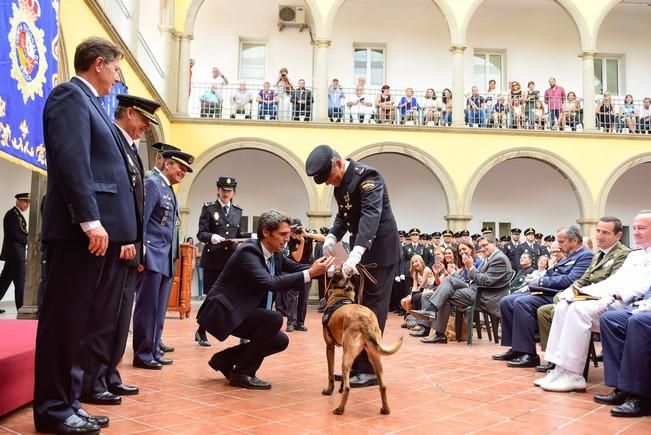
{"x": 240, "y": 301}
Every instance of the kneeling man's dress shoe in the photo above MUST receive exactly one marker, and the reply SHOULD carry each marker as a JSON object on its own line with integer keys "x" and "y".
{"x": 149, "y": 365}
{"x": 123, "y": 389}
{"x": 218, "y": 364}
{"x": 506, "y": 356}
{"x": 165, "y": 361}
{"x": 250, "y": 382}
{"x": 75, "y": 425}
{"x": 166, "y": 348}
{"x": 525, "y": 360}
{"x": 100, "y": 420}
{"x": 363, "y": 380}
{"x": 104, "y": 398}
{"x": 615, "y": 397}
{"x": 633, "y": 407}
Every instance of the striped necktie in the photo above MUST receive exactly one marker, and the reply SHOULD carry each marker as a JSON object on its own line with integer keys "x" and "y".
{"x": 272, "y": 270}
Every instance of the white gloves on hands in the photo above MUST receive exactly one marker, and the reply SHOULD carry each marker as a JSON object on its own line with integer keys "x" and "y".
{"x": 566, "y": 294}
{"x": 397, "y": 278}
{"x": 402, "y": 277}
{"x": 329, "y": 245}
{"x": 216, "y": 238}
{"x": 531, "y": 279}
{"x": 349, "y": 267}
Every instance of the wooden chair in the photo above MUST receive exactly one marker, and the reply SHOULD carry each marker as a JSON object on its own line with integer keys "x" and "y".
{"x": 592, "y": 356}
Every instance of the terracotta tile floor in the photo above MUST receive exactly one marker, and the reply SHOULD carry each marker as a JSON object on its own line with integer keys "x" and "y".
{"x": 446, "y": 389}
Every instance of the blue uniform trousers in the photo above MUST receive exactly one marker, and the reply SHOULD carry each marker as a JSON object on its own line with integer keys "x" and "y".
{"x": 520, "y": 320}
{"x": 626, "y": 341}
{"x": 152, "y": 297}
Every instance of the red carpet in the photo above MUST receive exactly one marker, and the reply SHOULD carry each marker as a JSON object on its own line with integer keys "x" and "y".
{"x": 17, "y": 345}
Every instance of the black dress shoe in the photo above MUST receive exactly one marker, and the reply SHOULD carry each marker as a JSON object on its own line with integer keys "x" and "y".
{"x": 300, "y": 328}
{"x": 363, "y": 380}
{"x": 164, "y": 361}
{"x": 544, "y": 368}
{"x": 290, "y": 328}
{"x": 165, "y": 348}
{"x": 218, "y": 364}
{"x": 149, "y": 365}
{"x": 615, "y": 397}
{"x": 525, "y": 360}
{"x": 250, "y": 382}
{"x": 423, "y": 332}
{"x": 200, "y": 337}
{"x": 441, "y": 339}
{"x": 123, "y": 389}
{"x": 507, "y": 356}
{"x": 633, "y": 407}
{"x": 100, "y": 420}
{"x": 83, "y": 427}
{"x": 105, "y": 398}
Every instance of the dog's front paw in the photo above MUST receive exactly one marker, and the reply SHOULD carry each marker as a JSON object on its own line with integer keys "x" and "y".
{"x": 385, "y": 411}
{"x": 328, "y": 391}
{"x": 338, "y": 411}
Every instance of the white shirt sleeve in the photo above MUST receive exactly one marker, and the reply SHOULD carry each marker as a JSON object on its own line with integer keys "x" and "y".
{"x": 90, "y": 225}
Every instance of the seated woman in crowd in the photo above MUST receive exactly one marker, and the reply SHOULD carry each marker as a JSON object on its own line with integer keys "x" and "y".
{"x": 540, "y": 119}
{"x": 384, "y": 105}
{"x": 499, "y": 112}
{"x": 408, "y": 106}
{"x": 447, "y": 107}
{"x": 606, "y": 113}
{"x": 360, "y": 107}
{"x": 518, "y": 118}
{"x": 422, "y": 278}
{"x": 267, "y": 102}
{"x": 531, "y": 97}
{"x": 467, "y": 248}
{"x": 570, "y": 112}
{"x": 448, "y": 263}
{"x": 627, "y": 114}
{"x": 431, "y": 108}
{"x": 542, "y": 266}
{"x": 520, "y": 278}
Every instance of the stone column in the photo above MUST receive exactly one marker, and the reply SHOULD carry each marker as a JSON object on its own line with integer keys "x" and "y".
{"x": 589, "y": 228}
{"x": 169, "y": 64}
{"x": 320, "y": 84}
{"x": 458, "y": 99}
{"x": 183, "y": 81}
{"x": 184, "y": 213}
{"x": 29, "y": 310}
{"x": 588, "y": 91}
{"x": 458, "y": 222}
{"x": 318, "y": 219}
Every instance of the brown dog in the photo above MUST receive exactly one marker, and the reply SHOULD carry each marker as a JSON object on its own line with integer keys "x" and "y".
{"x": 354, "y": 327}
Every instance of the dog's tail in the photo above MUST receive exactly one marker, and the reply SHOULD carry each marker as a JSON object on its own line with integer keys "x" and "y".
{"x": 376, "y": 346}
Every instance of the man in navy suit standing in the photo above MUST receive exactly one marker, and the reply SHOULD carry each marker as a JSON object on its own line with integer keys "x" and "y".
{"x": 239, "y": 303}
{"x": 88, "y": 214}
{"x": 161, "y": 217}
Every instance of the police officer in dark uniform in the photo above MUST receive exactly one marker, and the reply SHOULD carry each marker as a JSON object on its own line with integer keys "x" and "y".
{"x": 528, "y": 246}
{"x": 511, "y": 247}
{"x": 363, "y": 210}
{"x": 448, "y": 239}
{"x": 219, "y": 222}
{"x": 409, "y": 250}
{"x": 428, "y": 254}
{"x": 13, "y": 249}
{"x": 539, "y": 242}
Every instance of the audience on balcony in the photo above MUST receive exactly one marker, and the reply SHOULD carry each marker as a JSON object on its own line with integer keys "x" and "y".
{"x": 384, "y": 105}
{"x": 554, "y": 99}
{"x": 606, "y": 113}
{"x": 539, "y": 117}
{"x": 267, "y": 102}
{"x": 360, "y": 106}
{"x": 301, "y": 99}
{"x": 447, "y": 107}
{"x": 409, "y": 107}
{"x": 500, "y": 112}
{"x": 645, "y": 116}
{"x": 284, "y": 88}
{"x": 335, "y": 102}
{"x": 490, "y": 99}
{"x": 571, "y": 111}
{"x": 432, "y": 108}
{"x": 531, "y": 98}
{"x": 627, "y": 114}
{"x": 476, "y": 106}
{"x": 212, "y": 100}
{"x": 241, "y": 102}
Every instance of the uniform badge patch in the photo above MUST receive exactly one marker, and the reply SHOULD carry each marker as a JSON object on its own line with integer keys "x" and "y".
{"x": 359, "y": 170}
{"x": 216, "y": 216}
{"x": 368, "y": 185}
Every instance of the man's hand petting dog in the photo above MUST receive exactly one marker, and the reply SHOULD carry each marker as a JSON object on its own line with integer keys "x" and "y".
{"x": 320, "y": 266}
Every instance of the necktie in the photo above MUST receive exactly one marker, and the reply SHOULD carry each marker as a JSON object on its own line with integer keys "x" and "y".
{"x": 272, "y": 270}
{"x": 134, "y": 148}
{"x": 601, "y": 256}
{"x": 226, "y": 210}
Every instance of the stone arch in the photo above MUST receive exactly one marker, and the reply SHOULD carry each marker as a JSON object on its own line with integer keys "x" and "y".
{"x": 191, "y": 16}
{"x": 579, "y": 185}
{"x": 605, "y": 11}
{"x": 612, "y": 178}
{"x": 203, "y": 159}
{"x": 417, "y": 154}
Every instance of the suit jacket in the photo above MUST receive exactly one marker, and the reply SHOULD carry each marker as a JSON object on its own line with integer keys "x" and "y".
{"x": 161, "y": 218}
{"x": 364, "y": 210}
{"x": 492, "y": 281}
{"x": 88, "y": 176}
{"x": 602, "y": 269}
{"x": 243, "y": 285}
{"x": 214, "y": 221}
{"x": 15, "y": 236}
{"x": 568, "y": 270}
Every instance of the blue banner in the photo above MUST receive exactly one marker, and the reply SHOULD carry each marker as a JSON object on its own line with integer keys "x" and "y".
{"x": 29, "y": 43}
{"x": 110, "y": 101}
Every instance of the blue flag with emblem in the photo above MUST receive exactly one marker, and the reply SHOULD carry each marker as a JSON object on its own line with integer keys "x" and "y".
{"x": 29, "y": 45}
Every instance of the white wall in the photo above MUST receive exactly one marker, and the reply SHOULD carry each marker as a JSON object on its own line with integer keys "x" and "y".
{"x": 417, "y": 198}
{"x": 15, "y": 179}
{"x": 264, "y": 181}
{"x": 630, "y": 194}
{"x": 525, "y": 192}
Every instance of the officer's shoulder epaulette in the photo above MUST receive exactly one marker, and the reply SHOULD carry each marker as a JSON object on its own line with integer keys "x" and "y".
{"x": 208, "y": 204}
{"x": 359, "y": 170}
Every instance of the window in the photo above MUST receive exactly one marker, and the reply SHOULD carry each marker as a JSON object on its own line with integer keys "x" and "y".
{"x": 369, "y": 63}
{"x": 252, "y": 61}
{"x": 487, "y": 66}
{"x": 607, "y": 75}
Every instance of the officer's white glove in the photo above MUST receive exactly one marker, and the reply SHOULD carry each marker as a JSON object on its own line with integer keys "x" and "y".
{"x": 643, "y": 307}
{"x": 254, "y": 236}
{"x": 329, "y": 245}
{"x": 402, "y": 277}
{"x": 531, "y": 279}
{"x": 349, "y": 267}
{"x": 566, "y": 294}
{"x": 397, "y": 279}
{"x": 216, "y": 238}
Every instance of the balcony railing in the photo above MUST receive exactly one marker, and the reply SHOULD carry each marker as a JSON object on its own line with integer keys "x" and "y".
{"x": 426, "y": 108}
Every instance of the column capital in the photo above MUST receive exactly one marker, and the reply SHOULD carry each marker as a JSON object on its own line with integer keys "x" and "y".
{"x": 318, "y": 214}
{"x": 181, "y": 36}
{"x": 587, "y": 221}
{"x": 184, "y": 210}
{"x": 458, "y": 48}
{"x": 322, "y": 43}
{"x": 588, "y": 54}
{"x": 167, "y": 29}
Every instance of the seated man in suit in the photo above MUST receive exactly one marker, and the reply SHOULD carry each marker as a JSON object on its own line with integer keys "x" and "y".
{"x": 574, "y": 318}
{"x": 492, "y": 278}
{"x": 239, "y": 303}
{"x": 626, "y": 342}
{"x": 519, "y": 321}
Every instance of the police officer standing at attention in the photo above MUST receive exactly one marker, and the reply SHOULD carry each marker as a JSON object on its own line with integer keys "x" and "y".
{"x": 511, "y": 248}
{"x": 13, "y": 249}
{"x": 365, "y": 212}
{"x": 219, "y": 222}
{"x": 528, "y": 246}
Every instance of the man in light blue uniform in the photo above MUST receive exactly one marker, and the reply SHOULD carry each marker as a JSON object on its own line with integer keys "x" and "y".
{"x": 160, "y": 219}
